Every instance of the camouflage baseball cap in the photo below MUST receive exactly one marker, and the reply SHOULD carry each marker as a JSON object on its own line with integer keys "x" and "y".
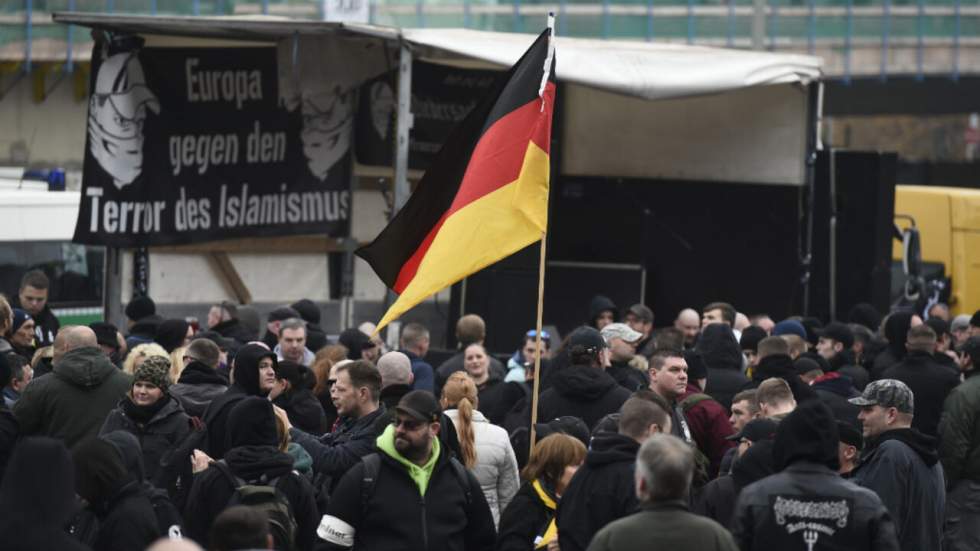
{"x": 887, "y": 393}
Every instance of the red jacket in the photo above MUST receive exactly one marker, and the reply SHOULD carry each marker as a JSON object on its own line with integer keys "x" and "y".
{"x": 709, "y": 425}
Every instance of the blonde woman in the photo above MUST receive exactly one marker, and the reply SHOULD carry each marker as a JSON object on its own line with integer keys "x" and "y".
{"x": 485, "y": 447}
{"x": 140, "y": 353}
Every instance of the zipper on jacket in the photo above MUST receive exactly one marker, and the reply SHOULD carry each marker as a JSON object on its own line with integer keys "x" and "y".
{"x": 425, "y": 526}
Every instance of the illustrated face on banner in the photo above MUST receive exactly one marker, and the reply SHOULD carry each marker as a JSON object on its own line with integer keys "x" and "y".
{"x": 382, "y": 106}
{"x": 117, "y": 111}
{"x": 327, "y": 122}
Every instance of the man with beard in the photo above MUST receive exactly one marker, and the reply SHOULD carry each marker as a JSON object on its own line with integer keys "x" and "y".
{"x": 253, "y": 374}
{"x": 355, "y": 395}
{"x": 901, "y": 465}
{"x": 688, "y": 322}
{"x": 411, "y": 494}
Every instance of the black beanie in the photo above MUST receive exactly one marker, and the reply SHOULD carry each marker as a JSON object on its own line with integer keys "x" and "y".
{"x": 751, "y": 336}
{"x": 307, "y": 310}
{"x": 809, "y": 433}
{"x": 140, "y": 307}
{"x": 355, "y": 341}
{"x": 252, "y": 422}
{"x": 247, "y": 367}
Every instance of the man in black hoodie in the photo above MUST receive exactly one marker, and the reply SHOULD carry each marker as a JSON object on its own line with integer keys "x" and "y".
{"x": 254, "y": 374}
{"x": 583, "y": 389}
{"x": 806, "y": 505}
{"x": 254, "y": 459}
{"x": 602, "y": 490}
{"x": 723, "y": 358}
{"x": 901, "y": 464}
{"x": 602, "y": 312}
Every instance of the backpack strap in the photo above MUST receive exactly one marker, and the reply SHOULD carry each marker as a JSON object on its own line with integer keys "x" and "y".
{"x": 224, "y": 469}
{"x": 372, "y": 466}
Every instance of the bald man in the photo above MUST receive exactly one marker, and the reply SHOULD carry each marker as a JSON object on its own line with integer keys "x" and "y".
{"x": 689, "y": 323}
{"x": 72, "y": 402}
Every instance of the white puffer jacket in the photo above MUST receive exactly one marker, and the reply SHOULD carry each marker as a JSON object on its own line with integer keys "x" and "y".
{"x": 496, "y": 466}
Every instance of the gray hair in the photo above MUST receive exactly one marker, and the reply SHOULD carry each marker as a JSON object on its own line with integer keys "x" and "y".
{"x": 395, "y": 368}
{"x": 666, "y": 464}
{"x": 292, "y": 323}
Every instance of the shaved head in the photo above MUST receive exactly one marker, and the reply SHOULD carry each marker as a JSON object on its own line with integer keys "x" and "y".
{"x": 72, "y": 337}
{"x": 689, "y": 315}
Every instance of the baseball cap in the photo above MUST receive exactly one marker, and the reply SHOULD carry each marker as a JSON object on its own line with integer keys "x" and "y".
{"x": 642, "y": 312}
{"x": 887, "y": 393}
{"x": 105, "y": 333}
{"x": 420, "y": 405}
{"x": 756, "y": 430}
{"x": 839, "y": 332}
{"x": 960, "y": 323}
{"x": 620, "y": 331}
{"x": 850, "y": 435}
{"x": 588, "y": 338}
{"x": 567, "y": 424}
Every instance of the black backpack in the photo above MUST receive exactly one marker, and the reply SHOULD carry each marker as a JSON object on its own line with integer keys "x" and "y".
{"x": 372, "y": 466}
{"x": 265, "y": 497}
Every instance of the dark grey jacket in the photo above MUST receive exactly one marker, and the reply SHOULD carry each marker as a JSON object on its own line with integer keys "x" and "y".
{"x": 782, "y": 510}
{"x": 959, "y": 447}
{"x": 74, "y": 400}
{"x": 667, "y": 525}
{"x": 902, "y": 467}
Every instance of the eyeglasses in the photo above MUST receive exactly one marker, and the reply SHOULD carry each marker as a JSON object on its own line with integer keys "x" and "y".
{"x": 409, "y": 424}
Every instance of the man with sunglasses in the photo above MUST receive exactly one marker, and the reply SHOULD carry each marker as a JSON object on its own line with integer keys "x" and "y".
{"x": 411, "y": 494}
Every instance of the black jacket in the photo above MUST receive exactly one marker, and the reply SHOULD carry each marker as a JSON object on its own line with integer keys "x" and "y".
{"x": 959, "y": 445}
{"x": 717, "y": 499}
{"x": 497, "y": 398}
{"x": 834, "y": 389}
{"x": 850, "y": 517}
{"x": 585, "y": 392}
{"x": 233, "y": 329}
{"x": 844, "y": 362}
{"x": 246, "y": 384}
{"x": 781, "y": 366}
{"x": 212, "y": 490}
{"x": 198, "y": 385}
{"x": 9, "y": 432}
{"x": 930, "y": 383}
{"x": 602, "y": 491}
{"x": 455, "y": 363}
{"x": 336, "y": 452}
{"x": 627, "y": 376}
{"x": 304, "y": 411}
{"x": 390, "y": 395}
{"x": 165, "y": 428}
{"x": 397, "y": 517}
{"x": 126, "y": 521}
{"x": 524, "y": 519}
{"x": 143, "y": 331}
{"x": 723, "y": 358}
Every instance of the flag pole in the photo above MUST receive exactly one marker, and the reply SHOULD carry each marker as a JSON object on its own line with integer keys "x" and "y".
{"x": 541, "y": 260}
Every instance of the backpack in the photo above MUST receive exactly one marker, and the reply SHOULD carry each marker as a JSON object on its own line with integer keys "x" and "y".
{"x": 372, "y": 466}
{"x": 265, "y": 497}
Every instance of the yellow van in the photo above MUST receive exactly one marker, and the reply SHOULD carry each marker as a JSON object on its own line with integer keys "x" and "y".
{"x": 948, "y": 220}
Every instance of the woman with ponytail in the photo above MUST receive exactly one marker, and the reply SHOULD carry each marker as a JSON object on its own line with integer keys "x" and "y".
{"x": 485, "y": 448}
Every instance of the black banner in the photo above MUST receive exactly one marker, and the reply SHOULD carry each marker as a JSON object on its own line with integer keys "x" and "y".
{"x": 197, "y": 144}
{"x": 441, "y": 97}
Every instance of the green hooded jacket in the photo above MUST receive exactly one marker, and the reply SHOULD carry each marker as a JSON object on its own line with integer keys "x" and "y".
{"x": 421, "y": 475}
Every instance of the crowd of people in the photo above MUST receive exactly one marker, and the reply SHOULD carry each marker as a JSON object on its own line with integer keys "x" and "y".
{"x": 718, "y": 431}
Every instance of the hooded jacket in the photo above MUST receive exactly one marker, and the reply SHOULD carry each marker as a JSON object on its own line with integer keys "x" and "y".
{"x": 896, "y": 333}
{"x": 411, "y": 508}
{"x": 601, "y": 491}
{"x": 723, "y": 357}
{"x": 959, "y": 443}
{"x": 157, "y": 436}
{"x": 835, "y": 389}
{"x": 74, "y": 400}
{"x": 588, "y": 393}
{"x": 930, "y": 383}
{"x": 843, "y": 363}
{"x": 198, "y": 385}
{"x": 807, "y": 492}
{"x": 37, "y": 498}
{"x": 254, "y": 458}
{"x": 781, "y": 366}
{"x": 598, "y": 305}
{"x": 902, "y": 467}
{"x": 132, "y": 457}
{"x": 246, "y": 384}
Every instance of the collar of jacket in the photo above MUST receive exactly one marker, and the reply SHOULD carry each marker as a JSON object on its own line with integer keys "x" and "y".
{"x": 668, "y": 505}
{"x": 420, "y": 475}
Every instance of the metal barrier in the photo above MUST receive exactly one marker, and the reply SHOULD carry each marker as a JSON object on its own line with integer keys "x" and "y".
{"x": 810, "y": 26}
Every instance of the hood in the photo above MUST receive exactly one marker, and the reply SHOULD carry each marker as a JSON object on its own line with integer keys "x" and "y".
{"x": 718, "y": 347}
{"x": 776, "y": 365}
{"x": 146, "y": 327}
{"x": 611, "y": 448}
{"x": 754, "y": 465}
{"x": 129, "y": 450}
{"x": 39, "y": 484}
{"x": 252, "y": 422}
{"x": 99, "y": 471}
{"x": 809, "y": 433}
{"x": 897, "y": 332}
{"x": 85, "y": 367}
{"x": 171, "y": 334}
{"x": 247, "y": 367}
{"x": 582, "y": 382}
{"x": 257, "y": 463}
{"x": 197, "y": 373}
{"x": 837, "y": 383}
{"x": 355, "y": 341}
{"x": 923, "y": 445}
{"x": 420, "y": 475}
{"x": 599, "y": 304}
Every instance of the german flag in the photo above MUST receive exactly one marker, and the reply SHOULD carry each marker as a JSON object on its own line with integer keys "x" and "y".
{"x": 485, "y": 196}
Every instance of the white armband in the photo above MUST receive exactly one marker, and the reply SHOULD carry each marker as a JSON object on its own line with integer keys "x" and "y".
{"x": 335, "y": 531}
